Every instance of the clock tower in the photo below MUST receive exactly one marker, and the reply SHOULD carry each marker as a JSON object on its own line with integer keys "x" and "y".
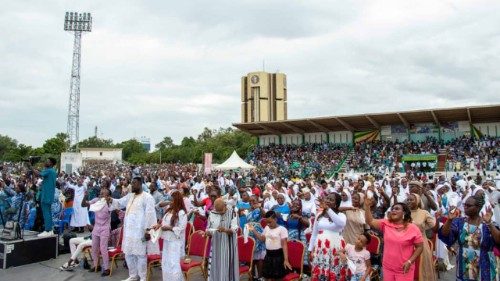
{"x": 263, "y": 97}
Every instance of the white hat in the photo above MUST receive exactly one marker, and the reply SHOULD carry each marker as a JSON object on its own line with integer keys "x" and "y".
{"x": 305, "y": 190}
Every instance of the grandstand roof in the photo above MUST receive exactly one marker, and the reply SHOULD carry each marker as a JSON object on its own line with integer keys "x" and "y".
{"x": 372, "y": 121}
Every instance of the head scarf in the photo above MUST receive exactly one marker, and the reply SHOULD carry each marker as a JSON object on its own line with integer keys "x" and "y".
{"x": 348, "y": 202}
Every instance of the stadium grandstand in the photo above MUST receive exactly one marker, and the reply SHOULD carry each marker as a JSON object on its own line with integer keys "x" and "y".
{"x": 446, "y": 139}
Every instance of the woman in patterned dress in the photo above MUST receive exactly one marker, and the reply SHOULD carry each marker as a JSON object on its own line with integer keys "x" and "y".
{"x": 297, "y": 225}
{"x": 254, "y": 217}
{"x": 476, "y": 237}
{"x": 327, "y": 243}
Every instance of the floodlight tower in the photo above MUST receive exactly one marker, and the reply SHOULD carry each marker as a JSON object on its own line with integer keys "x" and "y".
{"x": 77, "y": 23}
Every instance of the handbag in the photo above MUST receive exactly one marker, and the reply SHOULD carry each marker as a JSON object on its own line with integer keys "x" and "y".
{"x": 11, "y": 231}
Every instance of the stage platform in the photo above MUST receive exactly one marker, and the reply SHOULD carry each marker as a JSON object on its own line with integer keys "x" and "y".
{"x": 28, "y": 250}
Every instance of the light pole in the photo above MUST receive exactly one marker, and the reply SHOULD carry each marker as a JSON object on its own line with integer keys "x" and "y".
{"x": 77, "y": 23}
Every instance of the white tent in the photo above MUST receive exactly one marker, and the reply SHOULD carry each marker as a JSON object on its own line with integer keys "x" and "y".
{"x": 234, "y": 162}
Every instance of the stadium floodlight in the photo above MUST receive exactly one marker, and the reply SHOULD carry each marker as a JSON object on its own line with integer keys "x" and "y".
{"x": 77, "y": 23}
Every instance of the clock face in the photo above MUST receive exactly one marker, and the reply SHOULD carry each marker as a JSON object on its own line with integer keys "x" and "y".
{"x": 255, "y": 79}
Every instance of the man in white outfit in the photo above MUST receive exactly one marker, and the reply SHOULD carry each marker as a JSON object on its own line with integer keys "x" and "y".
{"x": 80, "y": 216}
{"x": 140, "y": 215}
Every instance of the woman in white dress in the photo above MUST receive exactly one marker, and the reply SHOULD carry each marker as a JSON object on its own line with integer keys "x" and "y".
{"x": 327, "y": 241}
{"x": 173, "y": 226}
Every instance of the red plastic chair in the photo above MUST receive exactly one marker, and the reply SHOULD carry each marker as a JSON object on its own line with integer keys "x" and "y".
{"x": 199, "y": 223}
{"x": 197, "y": 248}
{"x": 296, "y": 252}
{"x": 154, "y": 260}
{"x": 187, "y": 234}
{"x": 374, "y": 246}
{"x": 116, "y": 253}
{"x": 245, "y": 255}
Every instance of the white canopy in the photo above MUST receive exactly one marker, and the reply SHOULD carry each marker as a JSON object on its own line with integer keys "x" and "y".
{"x": 234, "y": 162}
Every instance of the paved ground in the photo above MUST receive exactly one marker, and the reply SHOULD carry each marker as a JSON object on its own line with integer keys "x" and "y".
{"x": 49, "y": 270}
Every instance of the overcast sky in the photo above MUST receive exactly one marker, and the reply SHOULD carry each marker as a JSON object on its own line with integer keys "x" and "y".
{"x": 171, "y": 68}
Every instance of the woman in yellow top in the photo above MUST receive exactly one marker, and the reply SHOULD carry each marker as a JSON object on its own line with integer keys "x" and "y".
{"x": 424, "y": 270}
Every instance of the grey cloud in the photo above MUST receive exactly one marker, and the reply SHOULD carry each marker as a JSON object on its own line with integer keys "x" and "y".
{"x": 155, "y": 68}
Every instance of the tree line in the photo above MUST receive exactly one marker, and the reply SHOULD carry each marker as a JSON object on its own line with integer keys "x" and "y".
{"x": 220, "y": 142}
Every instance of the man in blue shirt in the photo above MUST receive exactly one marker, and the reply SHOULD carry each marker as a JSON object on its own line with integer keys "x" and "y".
{"x": 47, "y": 190}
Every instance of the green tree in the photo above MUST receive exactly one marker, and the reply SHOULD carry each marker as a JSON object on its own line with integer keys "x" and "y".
{"x": 96, "y": 142}
{"x": 188, "y": 142}
{"x": 167, "y": 142}
{"x": 206, "y": 134}
{"x": 7, "y": 146}
{"x": 131, "y": 147}
{"x": 56, "y": 145}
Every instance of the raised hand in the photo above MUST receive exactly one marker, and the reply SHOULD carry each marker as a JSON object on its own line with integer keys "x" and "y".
{"x": 322, "y": 203}
{"x": 251, "y": 227}
{"x": 438, "y": 214}
{"x": 452, "y": 213}
{"x": 368, "y": 202}
{"x": 488, "y": 215}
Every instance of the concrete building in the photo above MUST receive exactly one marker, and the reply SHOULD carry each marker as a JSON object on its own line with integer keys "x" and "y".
{"x": 111, "y": 155}
{"x": 72, "y": 161}
{"x": 263, "y": 97}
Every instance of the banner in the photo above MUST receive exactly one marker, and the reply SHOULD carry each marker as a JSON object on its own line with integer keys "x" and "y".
{"x": 366, "y": 136}
{"x": 419, "y": 157}
{"x": 207, "y": 163}
{"x": 423, "y": 128}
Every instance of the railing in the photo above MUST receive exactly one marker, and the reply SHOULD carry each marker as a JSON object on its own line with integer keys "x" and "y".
{"x": 341, "y": 163}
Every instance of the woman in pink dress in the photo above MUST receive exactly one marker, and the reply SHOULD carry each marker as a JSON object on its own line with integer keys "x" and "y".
{"x": 403, "y": 241}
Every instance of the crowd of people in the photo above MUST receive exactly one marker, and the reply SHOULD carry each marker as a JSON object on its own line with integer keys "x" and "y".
{"x": 464, "y": 154}
{"x": 473, "y": 155}
{"x": 297, "y": 160}
{"x": 382, "y": 156}
{"x": 418, "y": 218}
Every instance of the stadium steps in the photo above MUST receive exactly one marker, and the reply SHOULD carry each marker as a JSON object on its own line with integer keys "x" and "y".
{"x": 343, "y": 167}
{"x": 343, "y": 163}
